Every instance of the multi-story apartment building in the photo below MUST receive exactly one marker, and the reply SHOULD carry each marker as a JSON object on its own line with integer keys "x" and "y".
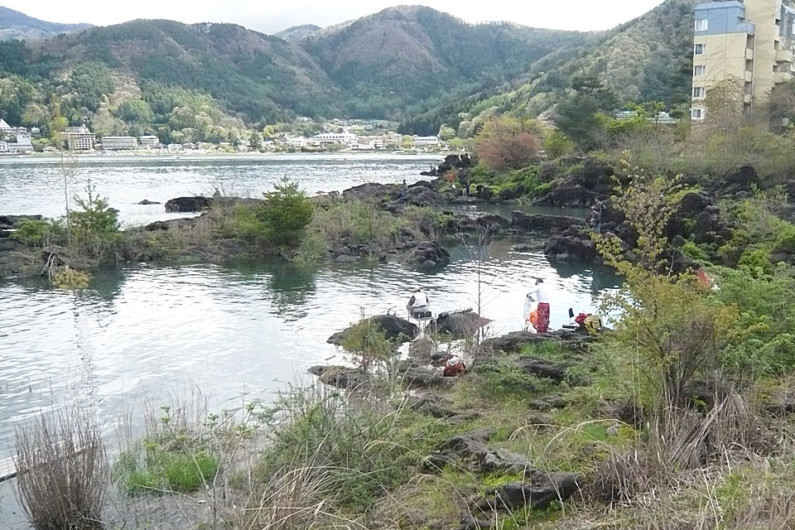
{"x": 749, "y": 43}
{"x": 119, "y": 143}
{"x": 79, "y": 138}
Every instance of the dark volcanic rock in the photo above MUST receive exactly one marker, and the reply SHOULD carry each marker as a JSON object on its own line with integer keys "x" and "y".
{"x": 188, "y": 204}
{"x": 459, "y": 324}
{"x": 427, "y": 256}
{"x": 340, "y": 376}
{"x": 147, "y": 202}
{"x": 588, "y": 182}
{"x": 393, "y": 327}
{"x": 543, "y": 222}
{"x": 737, "y": 183}
{"x": 537, "y": 493}
{"x": 571, "y": 248}
{"x": 413, "y": 376}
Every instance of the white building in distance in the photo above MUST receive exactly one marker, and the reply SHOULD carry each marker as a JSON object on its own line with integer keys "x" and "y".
{"x": 119, "y": 143}
{"x": 149, "y": 141}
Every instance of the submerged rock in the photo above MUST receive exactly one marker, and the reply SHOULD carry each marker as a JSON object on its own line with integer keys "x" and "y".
{"x": 393, "y": 327}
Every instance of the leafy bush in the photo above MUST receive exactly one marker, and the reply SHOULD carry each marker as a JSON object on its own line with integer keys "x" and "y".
{"x": 38, "y": 232}
{"x": 280, "y": 221}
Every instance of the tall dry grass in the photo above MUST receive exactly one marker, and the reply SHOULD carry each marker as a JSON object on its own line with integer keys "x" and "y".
{"x": 63, "y": 471}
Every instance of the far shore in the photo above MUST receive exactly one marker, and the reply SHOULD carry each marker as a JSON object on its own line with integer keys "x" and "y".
{"x": 187, "y": 155}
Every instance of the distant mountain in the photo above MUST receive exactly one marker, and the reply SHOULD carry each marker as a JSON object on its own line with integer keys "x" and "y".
{"x": 404, "y": 59}
{"x": 297, "y": 33}
{"x": 648, "y": 58}
{"x": 19, "y": 26}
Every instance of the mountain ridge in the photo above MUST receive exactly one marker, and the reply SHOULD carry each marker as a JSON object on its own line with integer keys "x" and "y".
{"x": 15, "y": 25}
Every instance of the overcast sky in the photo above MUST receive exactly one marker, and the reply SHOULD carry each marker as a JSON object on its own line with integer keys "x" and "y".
{"x": 272, "y": 16}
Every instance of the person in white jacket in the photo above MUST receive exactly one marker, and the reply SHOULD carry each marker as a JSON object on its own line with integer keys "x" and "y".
{"x": 418, "y": 302}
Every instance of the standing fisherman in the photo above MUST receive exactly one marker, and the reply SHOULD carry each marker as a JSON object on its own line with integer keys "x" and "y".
{"x": 542, "y": 297}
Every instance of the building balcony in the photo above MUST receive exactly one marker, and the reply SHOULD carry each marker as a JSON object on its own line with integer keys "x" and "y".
{"x": 781, "y": 77}
{"x": 749, "y": 54}
{"x": 747, "y": 99}
{"x": 749, "y": 76}
{"x": 784, "y": 56}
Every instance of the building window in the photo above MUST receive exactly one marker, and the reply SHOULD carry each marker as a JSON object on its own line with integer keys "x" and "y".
{"x": 699, "y": 70}
{"x": 699, "y": 92}
{"x": 696, "y": 114}
{"x": 701, "y": 24}
{"x": 698, "y": 49}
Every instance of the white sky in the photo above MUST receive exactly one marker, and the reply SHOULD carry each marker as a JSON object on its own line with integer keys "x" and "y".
{"x": 272, "y": 16}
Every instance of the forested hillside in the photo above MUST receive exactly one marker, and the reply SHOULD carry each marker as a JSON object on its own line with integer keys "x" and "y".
{"x": 646, "y": 59}
{"x": 401, "y": 60}
{"x": 409, "y": 63}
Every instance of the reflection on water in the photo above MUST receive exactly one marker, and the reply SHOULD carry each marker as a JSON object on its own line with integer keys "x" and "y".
{"x": 249, "y": 328}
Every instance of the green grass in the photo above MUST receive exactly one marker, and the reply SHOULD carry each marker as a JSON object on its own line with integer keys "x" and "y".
{"x": 155, "y": 469}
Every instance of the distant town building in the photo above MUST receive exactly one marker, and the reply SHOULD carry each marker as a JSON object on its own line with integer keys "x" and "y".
{"x": 149, "y": 141}
{"x": 346, "y": 139}
{"x": 297, "y": 142}
{"x": 119, "y": 143}
{"x": 748, "y": 43}
{"x": 79, "y": 138}
{"x": 426, "y": 140}
{"x": 3, "y": 147}
{"x": 5, "y": 128}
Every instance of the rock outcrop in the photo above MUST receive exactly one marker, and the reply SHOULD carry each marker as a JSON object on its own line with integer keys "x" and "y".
{"x": 427, "y": 256}
{"x": 546, "y": 223}
{"x": 188, "y": 204}
{"x": 393, "y": 327}
{"x": 458, "y": 324}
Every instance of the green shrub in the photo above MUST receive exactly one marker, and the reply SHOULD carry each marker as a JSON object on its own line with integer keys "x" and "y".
{"x": 153, "y": 467}
{"x": 757, "y": 261}
{"x": 691, "y": 250}
{"x": 93, "y": 226}
{"x": 280, "y": 220}
{"x": 38, "y": 232}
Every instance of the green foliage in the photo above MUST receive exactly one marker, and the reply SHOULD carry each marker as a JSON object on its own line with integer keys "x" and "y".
{"x": 281, "y": 219}
{"x": 673, "y": 329}
{"x": 39, "y": 232}
{"x": 766, "y": 321}
{"x": 556, "y": 144}
{"x": 154, "y": 468}
{"x": 93, "y": 226}
{"x": 352, "y": 452}
{"x": 369, "y": 343}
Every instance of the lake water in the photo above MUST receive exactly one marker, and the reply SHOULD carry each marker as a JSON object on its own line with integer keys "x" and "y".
{"x": 36, "y": 186}
{"x": 238, "y": 332}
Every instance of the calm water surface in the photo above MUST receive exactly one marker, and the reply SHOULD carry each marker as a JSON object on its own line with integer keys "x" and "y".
{"x": 36, "y": 186}
{"x": 239, "y": 332}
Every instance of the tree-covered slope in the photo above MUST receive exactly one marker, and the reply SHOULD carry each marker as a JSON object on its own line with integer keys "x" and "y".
{"x": 648, "y": 58}
{"x": 401, "y": 59}
{"x": 19, "y": 26}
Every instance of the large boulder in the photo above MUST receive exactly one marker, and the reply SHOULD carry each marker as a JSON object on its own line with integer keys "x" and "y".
{"x": 427, "y": 256}
{"x": 542, "y": 222}
{"x": 188, "y": 204}
{"x": 459, "y": 324}
{"x": 737, "y": 183}
{"x": 393, "y": 327}
{"x": 571, "y": 248}
{"x": 537, "y": 491}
